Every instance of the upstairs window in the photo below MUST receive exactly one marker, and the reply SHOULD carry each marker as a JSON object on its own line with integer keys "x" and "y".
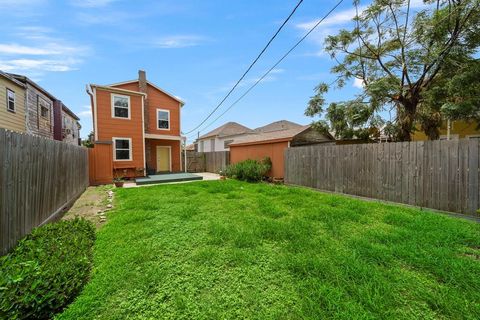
{"x": 10, "y": 100}
{"x": 163, "y": 119}
{"x": 120, "y": 107}
{"x": 122, "y": 149}
{"x": 44, "y": 111}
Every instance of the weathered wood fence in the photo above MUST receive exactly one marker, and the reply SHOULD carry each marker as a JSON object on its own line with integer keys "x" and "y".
{"x": 442, "y": 175}
{"x": 38, "y": 179}
{"x": 207, "y": 161}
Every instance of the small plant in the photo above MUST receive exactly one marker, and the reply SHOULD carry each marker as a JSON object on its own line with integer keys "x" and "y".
{"x": 249, "y": 170}
{"x": 46, "y": 270}
{"x": 119, "y": 179}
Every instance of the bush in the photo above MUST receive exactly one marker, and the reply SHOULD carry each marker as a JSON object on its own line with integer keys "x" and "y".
{"x": 46, "y": 270}
{"x": 249, "y": 170}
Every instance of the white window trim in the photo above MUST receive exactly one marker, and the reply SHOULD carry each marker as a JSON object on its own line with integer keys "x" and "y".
{"x": 473, "y": 136}
{"x": 14, "y": 100}
{"x": 113, "y": 106}
{"x": 130, "y": 157}
{"x": 168, "y": 111}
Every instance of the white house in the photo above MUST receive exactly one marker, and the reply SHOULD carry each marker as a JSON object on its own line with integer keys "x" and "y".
{"x": 219, "y": 138}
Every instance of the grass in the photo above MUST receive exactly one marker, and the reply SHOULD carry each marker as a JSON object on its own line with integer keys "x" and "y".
{"x": 227, "y": 249}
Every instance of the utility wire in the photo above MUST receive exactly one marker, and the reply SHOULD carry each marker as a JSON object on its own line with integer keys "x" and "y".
{"x": 274, "y": 66}
{"x": 250, "y": 67}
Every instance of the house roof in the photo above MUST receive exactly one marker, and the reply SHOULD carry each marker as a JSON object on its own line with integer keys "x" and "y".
{"x": 12, "y": 79}
{"x": 25, "y": 79}
{"x": 153, "y": 85}
{"x": 273, "y": 136}
{"x": 278, "y": 125}
{"x": 115, "y": 89}
{"x": 228, "y": 129}
{"x": 70, "y": 112}
{"x": 190, "y": 147}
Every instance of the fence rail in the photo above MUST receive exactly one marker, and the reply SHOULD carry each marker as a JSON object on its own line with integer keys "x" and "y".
{"x": 442, "y": 175}
{"x": 38, "y": 179}
{"x": 207, "y": 161}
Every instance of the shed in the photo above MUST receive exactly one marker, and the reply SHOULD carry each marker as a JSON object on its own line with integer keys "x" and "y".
{"x": 273, "y": 145}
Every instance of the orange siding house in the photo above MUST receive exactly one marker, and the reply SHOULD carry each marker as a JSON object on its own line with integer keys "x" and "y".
{"x": 141, "y": 122}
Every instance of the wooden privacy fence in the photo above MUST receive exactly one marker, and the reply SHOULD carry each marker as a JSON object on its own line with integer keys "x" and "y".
{"x": 442, "y": 175}
{"x": 207, "y": 161}
{"x": 38, "y": 179}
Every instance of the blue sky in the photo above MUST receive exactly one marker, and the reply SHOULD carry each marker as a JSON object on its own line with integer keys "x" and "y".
{"x": 194, "y": 49}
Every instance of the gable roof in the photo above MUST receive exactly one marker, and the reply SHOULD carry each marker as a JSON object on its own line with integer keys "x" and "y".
{"x": 228, "y": 129}
{"x": 153, "y": 85}
{"x": 279, "y": 135}
{"x": 25, "y": 80}
{"x": 12, "y": 79}
{"x": 279, "y": 125}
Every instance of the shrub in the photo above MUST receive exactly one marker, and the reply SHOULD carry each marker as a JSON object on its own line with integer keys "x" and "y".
{"x": 46, "y": 270}
{"x": 249, "y": 170}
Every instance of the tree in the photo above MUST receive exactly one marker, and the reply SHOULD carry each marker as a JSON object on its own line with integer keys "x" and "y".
{"x": 399, "y": 56}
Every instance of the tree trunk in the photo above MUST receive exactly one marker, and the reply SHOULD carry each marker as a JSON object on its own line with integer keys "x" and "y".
{"x": 406, "y": 112}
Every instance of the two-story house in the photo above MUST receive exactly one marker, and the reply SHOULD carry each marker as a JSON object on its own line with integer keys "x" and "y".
{"x": 40, "y": 113}
{"x": 12, "y": 103}
{"x": 142, "y": 122}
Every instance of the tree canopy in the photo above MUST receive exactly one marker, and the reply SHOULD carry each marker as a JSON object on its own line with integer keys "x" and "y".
{"x": 418, "y": 63}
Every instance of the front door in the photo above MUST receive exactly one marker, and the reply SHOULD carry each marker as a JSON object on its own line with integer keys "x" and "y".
{"x": 163, "y": 159}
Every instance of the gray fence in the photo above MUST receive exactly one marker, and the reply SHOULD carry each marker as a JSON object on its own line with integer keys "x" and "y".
{"x": 38, "y": 179}
{"x": 207, "y": 161}
{"x": 442, "y": 175}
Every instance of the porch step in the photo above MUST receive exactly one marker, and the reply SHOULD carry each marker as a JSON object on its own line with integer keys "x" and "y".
{"x": 168, "y": 177}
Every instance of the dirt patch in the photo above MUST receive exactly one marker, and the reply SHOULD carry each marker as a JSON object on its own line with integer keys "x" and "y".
{"x": 92, "y": 205}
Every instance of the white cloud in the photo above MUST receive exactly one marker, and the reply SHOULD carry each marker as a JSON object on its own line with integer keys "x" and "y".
{"x": 86, "y": 112}
{"x": 38, "y": 65}
{"x": 358, "y": 83}
{"x": 37, "y": 50}
{"x": 178, "y": 41}
{"x": 92, "y": 3}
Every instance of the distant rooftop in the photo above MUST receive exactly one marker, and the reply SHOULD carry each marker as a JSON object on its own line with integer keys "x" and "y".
{"x": 278, "y": 125}
{"x": 228, "y": 129}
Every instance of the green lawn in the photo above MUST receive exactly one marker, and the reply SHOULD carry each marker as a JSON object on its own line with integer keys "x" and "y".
{"x": 227, "y": 249}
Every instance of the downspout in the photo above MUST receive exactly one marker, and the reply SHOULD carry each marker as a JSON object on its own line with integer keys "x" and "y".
{"x": 185, "y": 154}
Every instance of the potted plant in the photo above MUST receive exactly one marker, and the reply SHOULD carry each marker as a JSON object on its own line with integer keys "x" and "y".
{"x": 118, "y": 180}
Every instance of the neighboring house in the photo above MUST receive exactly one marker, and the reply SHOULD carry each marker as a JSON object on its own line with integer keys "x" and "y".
{"x": 458, "y": 130}
{"x": 142, "y": 122}
{"x": 220, "y": 138}
{"x": 70, "y": 129}
{"x": 273, "y": 144}
{"x": 45, "y": 115}
{"x": 39, "y": 108}
{"x": 12, "y": 103}
{"x": 278, "y": 126}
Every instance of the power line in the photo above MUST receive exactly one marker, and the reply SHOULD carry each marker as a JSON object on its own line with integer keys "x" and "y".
{"x": 275, "y": 65}
{"x": 250, "y": 67}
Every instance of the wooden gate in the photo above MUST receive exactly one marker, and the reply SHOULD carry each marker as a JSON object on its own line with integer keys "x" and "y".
{"x": 100, "y": 159}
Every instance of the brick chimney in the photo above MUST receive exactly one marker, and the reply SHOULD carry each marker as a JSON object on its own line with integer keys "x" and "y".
{"x": 142, "y": 85}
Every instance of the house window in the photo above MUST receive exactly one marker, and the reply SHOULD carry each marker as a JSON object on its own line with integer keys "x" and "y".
{"x": 44, "y": 111}
{"x": 122, "y": 149}
{"x": 226, "y": 143}
{"x": 163, "y": 119}
{"x": 10, "y": 100}
{"x": 201, "y": 146}
{"x": 120, "y": 107}
{"x": 212, "y": 145}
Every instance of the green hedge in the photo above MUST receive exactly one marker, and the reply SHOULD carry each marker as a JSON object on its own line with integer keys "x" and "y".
{"x": 249, "y": 170}
{"x": 46, "y": 270}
